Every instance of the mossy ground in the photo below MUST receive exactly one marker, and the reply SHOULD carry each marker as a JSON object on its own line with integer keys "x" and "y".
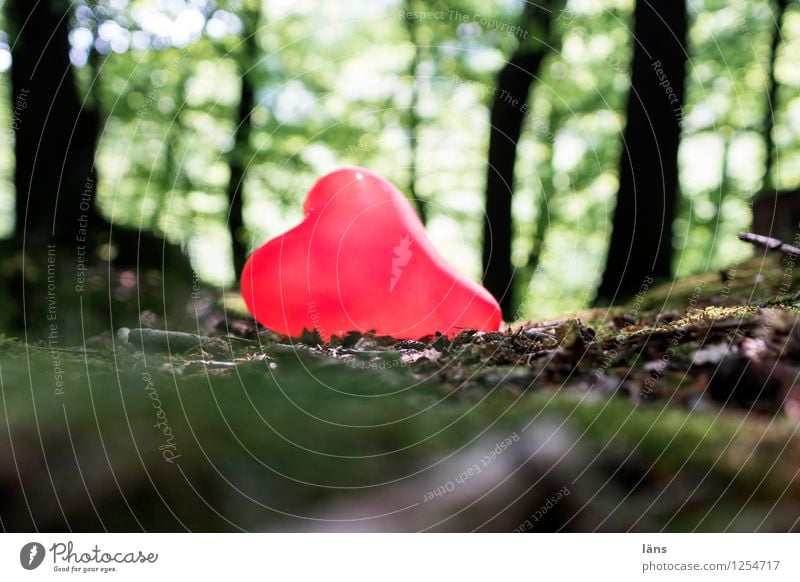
{"x": 677, "y": 412}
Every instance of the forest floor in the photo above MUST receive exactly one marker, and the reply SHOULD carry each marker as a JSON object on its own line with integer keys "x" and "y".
{"x": 677, "y": 411}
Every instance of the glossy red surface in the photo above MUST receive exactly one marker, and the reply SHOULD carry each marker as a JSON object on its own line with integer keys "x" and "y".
{"x": 361, "y": 261}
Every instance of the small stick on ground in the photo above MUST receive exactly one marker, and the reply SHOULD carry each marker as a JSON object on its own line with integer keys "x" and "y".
{"x": 158, "y": 340}
{"x": 772, "y": 244}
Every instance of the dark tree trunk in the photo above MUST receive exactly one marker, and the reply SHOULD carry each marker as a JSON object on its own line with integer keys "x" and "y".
{"x": 55, "y": 179}
{"x": 239, "y": 158}
{"x": 772, "y": 93}
{"x": 509, "y": 109}
{"x": 715, "y": 223}
{"x": 774, "y": 212}
{"x": 540, "y": 230}
{"x": 55, "y": 136}
{"x": 173, "y": 170}
{"x": 413, "y": 119}
{"x": 641, "y": 242}
{"x": 524, "y": 277}
{"x": 60, "y": 236}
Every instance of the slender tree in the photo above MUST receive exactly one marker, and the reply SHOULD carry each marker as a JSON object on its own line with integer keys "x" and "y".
{"x": 524, "y": 277}
{"x": 412, "y": 118}
{"x": 241, "y": 153}
{"x": 173, "y": 174}
{"x": 715, "y": 224}
{"x": 772, "y": 92}
{"x": 508, "y": 113}
{"x": 773, "y": 210}
{"x": 641, "y": 240}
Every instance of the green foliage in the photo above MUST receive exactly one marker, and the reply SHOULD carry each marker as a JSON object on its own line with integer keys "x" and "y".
{"x": 333, "y": 86}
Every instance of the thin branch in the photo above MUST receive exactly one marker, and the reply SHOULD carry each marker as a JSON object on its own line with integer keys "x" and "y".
{"x": 772, "y": 244}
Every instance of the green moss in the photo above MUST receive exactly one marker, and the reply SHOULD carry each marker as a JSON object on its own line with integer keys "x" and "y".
{"x": 284, "y": 429}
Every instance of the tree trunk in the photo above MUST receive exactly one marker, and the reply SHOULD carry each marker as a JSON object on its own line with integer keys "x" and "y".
{"x": 641, "y": 242}
{"x": 524, "y": 277}
{"x": 173, "y": 175}
{"x": 507, "y": 116}
{"x": 413, "y": 119}
{"x": 55, "y": 135}
{"x": 772, "y": 93}
{"x": 540, "y": 229}
{"x": 715, "y": 224}
{"x": 59, "y": 233}
{"x": 240, "y": 155}
{"x": 774, "y": 211}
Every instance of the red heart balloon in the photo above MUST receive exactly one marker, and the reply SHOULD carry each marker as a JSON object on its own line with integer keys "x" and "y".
{"x": 360, "y": 261}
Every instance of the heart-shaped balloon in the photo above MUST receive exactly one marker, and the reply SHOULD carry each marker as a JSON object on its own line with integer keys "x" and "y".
{"x": 360, "y": 261}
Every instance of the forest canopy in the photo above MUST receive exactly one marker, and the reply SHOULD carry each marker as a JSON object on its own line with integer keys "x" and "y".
{"x": 199, "y": 100}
